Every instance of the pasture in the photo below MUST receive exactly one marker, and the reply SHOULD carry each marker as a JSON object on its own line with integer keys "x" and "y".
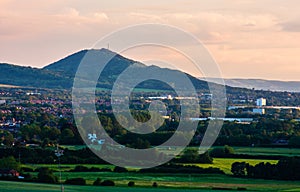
{"x": 204, "y": 183}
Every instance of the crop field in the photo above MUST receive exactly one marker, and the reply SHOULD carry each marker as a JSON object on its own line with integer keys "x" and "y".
{"x": 225, "y": 163}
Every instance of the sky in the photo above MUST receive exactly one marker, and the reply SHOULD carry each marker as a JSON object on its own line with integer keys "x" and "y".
{"x": 247, "y": 38}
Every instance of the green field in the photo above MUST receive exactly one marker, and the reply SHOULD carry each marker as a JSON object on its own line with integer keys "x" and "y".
{"x": 238, "y": 150}
{"x": 187, "y": 184}
{"x": 183, "y": 181}
{"x": 168, "y": 182}
{"x": 37, "y": 187}
{"x": 225, "y": 163}
{"x": 267, "y": 151}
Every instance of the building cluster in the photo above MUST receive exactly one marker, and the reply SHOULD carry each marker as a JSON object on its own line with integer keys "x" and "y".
{"x": 261, "y": 107}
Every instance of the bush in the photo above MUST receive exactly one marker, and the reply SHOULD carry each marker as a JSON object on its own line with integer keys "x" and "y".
{"x": 97, "y": 182}
{"x": 217, "y": 152}
{"x": 131, "y": 184}
{"x": 94, "y": 169}
{"x": 46, "y": 175}
{"x": 9, "y": 163}
{"x": 108, "y": 183}
{"x": 120, "y": 169}
{"x": 105, "y": 170}
{"x": 27, "y": 169}
{"x": 205, "y": 158}
{"x": 228, "y": 149}
{"x": 80, "y": 168}
{"x": 154, "y": 184}
{"x": 27, "y": 176}
{"x": 176, "y": 168}
{"x": 225, "y": 151}
{"x": 76, "y": 181}
{"x": 193, "y": 156}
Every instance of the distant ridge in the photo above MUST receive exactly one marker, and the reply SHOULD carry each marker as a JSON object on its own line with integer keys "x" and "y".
{"x": 60, "y": 74}
{"x": 261, "y": 84}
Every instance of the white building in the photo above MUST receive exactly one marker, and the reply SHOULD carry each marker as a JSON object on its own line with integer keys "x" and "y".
{"x": 261, "y": 102}
{"x": 259, "y": 111}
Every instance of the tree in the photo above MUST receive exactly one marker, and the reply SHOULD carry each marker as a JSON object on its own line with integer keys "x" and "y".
{"x": 8, "y": 139}
{"x": 30, "y": 131}
{"x": 205, "y": 158}
{"x": 193, "y": 156}
{"x": 131, "y": 184}
{"x": 190, "y": 156}
{"x": 294, "y": 141}
{"x": 9, "y": 163}
{"x": 46, "y": 175}
{"x": 221, "y": 151}
{"x": 239, "y": 169}
{"x": 120, "y": 169}
{"x": 141, "y": 144}
{"x": 76, "y": 181}
{"x": 49, "y": 132}
{"x": 228, "y": 150}
{"x": 108, "y": 183}
{"x": 67, "y": 136}
{"x": 97, "y": 182}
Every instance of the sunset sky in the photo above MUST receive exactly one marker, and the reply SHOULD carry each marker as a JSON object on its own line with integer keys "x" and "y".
{"x": 247, "y": 38}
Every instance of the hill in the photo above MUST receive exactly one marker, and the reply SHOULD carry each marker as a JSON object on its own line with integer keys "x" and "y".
{"x": 69, "y": 65}
{"x": 31, "y": 77}
{"x": 260, "y": 84}
{"x": 60, "y": 74}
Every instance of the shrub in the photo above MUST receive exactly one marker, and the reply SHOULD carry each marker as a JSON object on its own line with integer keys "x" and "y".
{"x": 222, "y": 151}
{"x": 94, "y": 169}
{"x": 217, "y": 152}
{"x": 75, "y": 181}
{"x": 205, "y": 158}
{"x": 193, "y": 156}
{"x": 97, "y": 182}
{"x": 108, "y": 183}
{"x": 27, "y": 176}
{"x": 105, "y": 170}
{"x": 154, "y": 184}
{"x": 80, "y": 168}
{"x": 131, "y": 184}
{"x": 120, "y": 169}
{"x": 27, "y": 169}
{"x": 9, "y": 163}
{"x": 228, "y": 149}
{"x": 46, "y": 175}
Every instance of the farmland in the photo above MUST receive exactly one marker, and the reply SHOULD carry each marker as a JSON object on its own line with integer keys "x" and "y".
{"x": 180, "y": 183}
{"x": 167, "y": 182}
{"x": 223, "y": 163}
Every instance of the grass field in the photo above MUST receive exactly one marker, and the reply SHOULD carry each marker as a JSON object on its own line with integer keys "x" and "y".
{"x": 223, "y": 163}
{"x": 34, "y": 187}
{"x": 238, "y": 150}
{"x": 168, "y": 182}
{"x": 201, "y": 183}
{"x": 183, "y": 181}
{"x": 267, "y": 151}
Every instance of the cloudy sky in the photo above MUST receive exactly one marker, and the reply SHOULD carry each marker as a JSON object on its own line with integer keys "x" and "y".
{"x": 247, "y": 38}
